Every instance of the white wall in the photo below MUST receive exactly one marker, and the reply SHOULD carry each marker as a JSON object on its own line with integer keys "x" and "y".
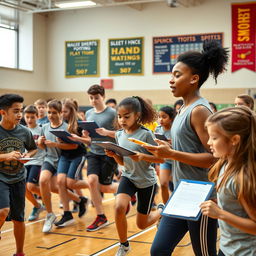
{"x": 154, "y": 20}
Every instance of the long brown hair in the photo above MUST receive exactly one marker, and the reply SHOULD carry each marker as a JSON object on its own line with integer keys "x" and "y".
{"x": 238, "y": 121}
{"x": 72, "y": 120}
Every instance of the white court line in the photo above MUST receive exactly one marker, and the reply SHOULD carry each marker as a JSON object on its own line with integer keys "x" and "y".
{"x": 34, "y": 222}
{"x": 117, "y": 244}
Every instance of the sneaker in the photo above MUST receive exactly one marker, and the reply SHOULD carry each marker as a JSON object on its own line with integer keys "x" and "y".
{"x": 75, "y": 207}
{"x": 99, "y": 222}
{"x": 83, "y": 204}
{"x": 123, "y": 250}
{"x": 66, "y": 219}
{"x": 35, "y": 213}
{"x": 133, "y": 200}
{"x": 50, "y": 218}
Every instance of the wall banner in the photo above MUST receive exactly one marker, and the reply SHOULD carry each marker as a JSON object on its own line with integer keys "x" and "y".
{"x": 82, "y": 58}
{"x": 126, "y": 56}
{"x": 244, "y": 36}
{"x": 166, "y": 49}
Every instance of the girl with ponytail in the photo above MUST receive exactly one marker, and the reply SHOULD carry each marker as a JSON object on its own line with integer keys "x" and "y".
{"x": 189, "y": 150}
{"x": 232, "y": 140}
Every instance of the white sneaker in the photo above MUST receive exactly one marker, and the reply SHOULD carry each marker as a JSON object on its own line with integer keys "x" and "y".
{"x": 50, "y": 218}
{"x": 123, "y": 250}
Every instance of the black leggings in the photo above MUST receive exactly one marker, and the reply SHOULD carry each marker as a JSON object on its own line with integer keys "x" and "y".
{"x": 203, "y": 235}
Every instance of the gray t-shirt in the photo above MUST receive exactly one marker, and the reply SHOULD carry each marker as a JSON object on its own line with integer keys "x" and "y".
{"x": 167, "y": 134}
{"x": 52, "y": 154}
{"x": 104, "y": 119}
{"x": 185, "y": 139}
{"x": 39, "y": 156}
{"x": 142, "y": 174}
{"x": 233, "y": 241}
{"x": 17, "y": 139}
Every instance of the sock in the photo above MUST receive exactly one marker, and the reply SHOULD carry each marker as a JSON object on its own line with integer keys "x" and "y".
{"x": 102, "y": 215}
{"x": 126, "y": 244}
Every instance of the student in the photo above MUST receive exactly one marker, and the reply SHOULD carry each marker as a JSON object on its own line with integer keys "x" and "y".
{"x": 100, "y": 167}
{"x": 48, "y": 181}
{"x": 138, "y": 174}
{"x": 34, "y": 166}
{"x": 232, "y": 140}
{"x": 190, "y": 153}
{"x": 165, "y": 119}
{"x": 14, "y": 140}
{"x": 177, "y": 105}
{"x": 111, "y": 103}
{"x": 70, "y": 166}
{"x": 244, "y": 100}
{"x": 41, "y": 106}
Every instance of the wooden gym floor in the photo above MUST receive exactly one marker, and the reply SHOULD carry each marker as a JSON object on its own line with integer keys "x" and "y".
{"x": 74, "y": 240}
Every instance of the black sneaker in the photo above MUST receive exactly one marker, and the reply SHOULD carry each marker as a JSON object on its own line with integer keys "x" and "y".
{"x": 67, "y": 219}
{"x": 83, "y": 204}
{"x": 75, "y": 207}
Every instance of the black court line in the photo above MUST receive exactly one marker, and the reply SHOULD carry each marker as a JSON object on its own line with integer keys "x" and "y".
{"x": 96, "y": 237}
{"x": 49, "y": 248}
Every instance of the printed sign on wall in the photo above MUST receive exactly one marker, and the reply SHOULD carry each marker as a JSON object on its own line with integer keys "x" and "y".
{"x": 244, "y": 36}
{"x": 126, "y": 56}
{"x": 166, "y": 49}
{"x": 82, "y": 58}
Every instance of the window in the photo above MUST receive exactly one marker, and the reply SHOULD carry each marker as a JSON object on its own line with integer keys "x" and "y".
{"x": 8, "y": 47}
{"x": 9, "y": 37}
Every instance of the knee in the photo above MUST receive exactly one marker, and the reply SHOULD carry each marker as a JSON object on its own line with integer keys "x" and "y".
{"x": 30, "y": 187}
{"x": 43, "y": 182}
{"x": 70, "y": 184}
{"x": 93, "y": 182}
{"x": 120, "y": 210}
{"x": 164, "y": 184}
{"x": 61, "y": 182}
{"x": 4, "y": 213}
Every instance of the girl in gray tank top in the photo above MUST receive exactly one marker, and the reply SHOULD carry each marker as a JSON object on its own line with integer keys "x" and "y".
{"x": 232, "y": 140}
{"x": 138, "y": 173}
{"x": 190, "y": 153}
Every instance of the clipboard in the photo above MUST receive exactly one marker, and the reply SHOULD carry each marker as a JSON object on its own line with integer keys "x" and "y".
{"x": 63, "y": 135}
{"x": 90, "y": 126}
{"x": 114, "y": 147}
{"x": 185, "y": 200}
{"x": 160, "y": 136}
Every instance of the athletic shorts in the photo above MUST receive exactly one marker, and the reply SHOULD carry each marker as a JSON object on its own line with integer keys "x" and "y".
{"x": 33, "y": 173}
{"x": 145, "y": 196}
{"x": 49, "y": 167}
{"x": 71, "y": 167}
{"x": 101, "y": 165}
{"x": 166, "y": 166}
{"x": 13, "y": 196}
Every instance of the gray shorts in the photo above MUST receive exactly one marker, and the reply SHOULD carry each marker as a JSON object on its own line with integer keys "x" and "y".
{"x": 13, "y": 196}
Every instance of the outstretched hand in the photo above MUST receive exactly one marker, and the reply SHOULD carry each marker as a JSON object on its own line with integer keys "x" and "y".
{"x": 162, "y": 150}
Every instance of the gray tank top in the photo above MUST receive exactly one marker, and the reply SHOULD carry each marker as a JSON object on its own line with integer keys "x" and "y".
{"x": 185, "y": 139}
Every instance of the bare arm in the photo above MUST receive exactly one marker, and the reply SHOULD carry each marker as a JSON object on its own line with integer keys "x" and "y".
{"x": 203, "y": 160}
{"x": 105, "y": 132}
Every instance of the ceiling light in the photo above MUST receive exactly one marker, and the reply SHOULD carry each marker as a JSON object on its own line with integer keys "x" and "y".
{"x": 75, "y": 4}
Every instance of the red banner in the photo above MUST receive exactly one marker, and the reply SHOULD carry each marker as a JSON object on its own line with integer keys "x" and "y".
{"x": 244, "y": 36}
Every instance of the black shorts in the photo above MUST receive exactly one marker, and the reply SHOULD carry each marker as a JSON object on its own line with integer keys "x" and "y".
{"x": 33, "y": 173}
{"x": 13, "y": 196}
{"x": 49, "y": 167}
{"x": 145, "y": 196}
{"x": 101, "y": 165}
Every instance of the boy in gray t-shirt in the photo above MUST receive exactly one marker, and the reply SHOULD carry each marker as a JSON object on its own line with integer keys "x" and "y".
{"x": 14, "y": 140}
{"x": 100, "y": 168}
